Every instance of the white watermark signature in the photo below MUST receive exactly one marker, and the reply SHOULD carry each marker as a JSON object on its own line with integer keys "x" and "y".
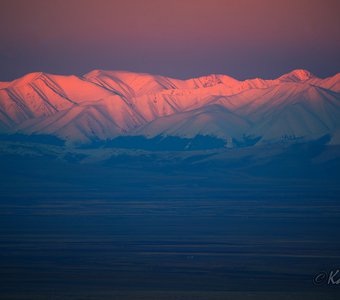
{"x": 330, "y": 278}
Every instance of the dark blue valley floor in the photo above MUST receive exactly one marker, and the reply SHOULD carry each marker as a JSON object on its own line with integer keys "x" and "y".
{"x": 69, "y": 231}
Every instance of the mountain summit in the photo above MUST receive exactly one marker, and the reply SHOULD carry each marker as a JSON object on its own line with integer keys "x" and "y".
{"x": 297, "y": 75}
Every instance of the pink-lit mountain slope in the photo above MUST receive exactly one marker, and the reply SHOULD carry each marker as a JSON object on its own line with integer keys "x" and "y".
{"x": 41, "y": 95}
{"x": 102, "y": 105}
{"x": 89, "y": 120}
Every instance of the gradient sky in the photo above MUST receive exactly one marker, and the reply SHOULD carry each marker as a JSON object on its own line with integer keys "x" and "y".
{"x": 179, "y": 38}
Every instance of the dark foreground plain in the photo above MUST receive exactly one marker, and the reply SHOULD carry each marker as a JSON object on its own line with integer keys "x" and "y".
{"x": 207, "y": 225}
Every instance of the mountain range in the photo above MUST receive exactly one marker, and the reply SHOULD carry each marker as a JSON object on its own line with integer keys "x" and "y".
{"x": 105, "y": 105}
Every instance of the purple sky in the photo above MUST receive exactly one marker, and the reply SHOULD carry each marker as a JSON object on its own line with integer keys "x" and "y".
{"x": 179, "y": 38}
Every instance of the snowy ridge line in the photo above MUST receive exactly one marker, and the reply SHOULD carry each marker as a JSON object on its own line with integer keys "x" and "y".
{"x": 103, "y": 105}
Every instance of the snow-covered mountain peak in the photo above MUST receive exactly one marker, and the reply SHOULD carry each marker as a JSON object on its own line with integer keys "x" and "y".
{"x": 214, "y": 79}
{"x": 297, "y": 75}
{"x": 26, "y": 79}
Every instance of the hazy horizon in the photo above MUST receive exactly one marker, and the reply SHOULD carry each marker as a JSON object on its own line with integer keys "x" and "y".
{"x": 173, "y": 77}
{"x": 180, "y": 39}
